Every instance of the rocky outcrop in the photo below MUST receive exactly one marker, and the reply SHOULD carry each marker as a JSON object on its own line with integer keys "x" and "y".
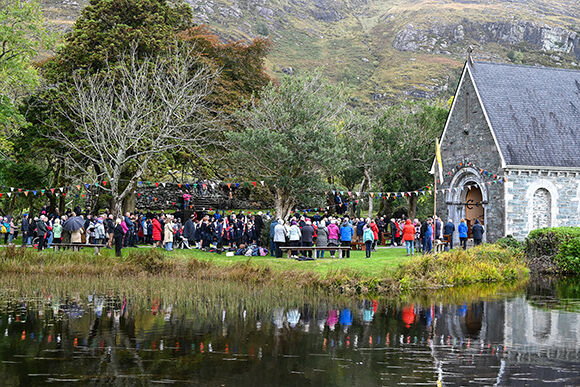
{"x": 439, "y": 37}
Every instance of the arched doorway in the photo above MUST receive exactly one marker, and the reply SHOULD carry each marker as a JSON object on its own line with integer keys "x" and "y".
{"x": 467, "y": 198}
{"x": 473, "y": 207}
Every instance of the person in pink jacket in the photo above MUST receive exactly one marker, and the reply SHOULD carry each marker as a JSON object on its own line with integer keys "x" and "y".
{"x": 333, "y": 233}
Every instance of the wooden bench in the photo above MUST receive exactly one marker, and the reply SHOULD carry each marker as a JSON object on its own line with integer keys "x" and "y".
{"x": 314, "y": 249}
{"x": 77, "y": 246}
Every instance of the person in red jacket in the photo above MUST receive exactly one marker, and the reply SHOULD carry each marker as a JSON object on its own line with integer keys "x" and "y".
{"x": 409, "y": 237}
{"x": 375, "y": 229}
{"x": 156, "y": 232}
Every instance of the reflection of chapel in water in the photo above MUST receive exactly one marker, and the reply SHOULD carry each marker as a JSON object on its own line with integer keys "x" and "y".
{"x": 522, "y": 333}
{"x": 510, "y": 149}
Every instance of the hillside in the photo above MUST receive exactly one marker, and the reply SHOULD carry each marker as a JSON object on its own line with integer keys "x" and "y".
{"x": 385, "y": 49}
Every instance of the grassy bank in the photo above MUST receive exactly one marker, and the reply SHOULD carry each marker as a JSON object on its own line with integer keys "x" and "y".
{"x": 389, "y": 271}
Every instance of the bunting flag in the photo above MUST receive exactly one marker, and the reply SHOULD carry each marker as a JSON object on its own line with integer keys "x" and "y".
{"x": 494, "y": 178}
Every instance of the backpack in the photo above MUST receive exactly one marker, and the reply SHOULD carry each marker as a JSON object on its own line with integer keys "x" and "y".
{"x": 3, "y": 230}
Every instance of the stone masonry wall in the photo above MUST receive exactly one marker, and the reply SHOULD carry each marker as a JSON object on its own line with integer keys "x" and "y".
{"x": 564, "y": 193}
{"x": 468, "y": 138}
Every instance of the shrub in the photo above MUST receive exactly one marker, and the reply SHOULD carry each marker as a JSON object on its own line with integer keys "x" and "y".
{"x": 509, "y": 242}
{"x": 547, "y": 241}
{"x": 568, "y": 258}
{"x": 486, "y": 263}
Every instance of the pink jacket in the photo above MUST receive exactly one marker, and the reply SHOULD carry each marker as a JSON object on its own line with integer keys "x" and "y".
{"x": 333, "y": 231}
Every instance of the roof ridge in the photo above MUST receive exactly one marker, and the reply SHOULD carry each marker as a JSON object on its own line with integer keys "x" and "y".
{"x": 523, "y": 65}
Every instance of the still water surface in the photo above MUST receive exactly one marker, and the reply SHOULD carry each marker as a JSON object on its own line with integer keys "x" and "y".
{"x": 529, "y": 338}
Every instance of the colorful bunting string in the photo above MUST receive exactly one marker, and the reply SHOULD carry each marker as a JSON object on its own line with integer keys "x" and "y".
{"x": 352, "y": 197}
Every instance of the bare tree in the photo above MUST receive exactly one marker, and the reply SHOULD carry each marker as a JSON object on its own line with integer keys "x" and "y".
{"x": 130, "y": 112}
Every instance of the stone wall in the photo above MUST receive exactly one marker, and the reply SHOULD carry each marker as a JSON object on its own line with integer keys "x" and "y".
{"x": 468, "y": 138}
{"x": 215, "y": 195}
{"x": 525, "y": 211}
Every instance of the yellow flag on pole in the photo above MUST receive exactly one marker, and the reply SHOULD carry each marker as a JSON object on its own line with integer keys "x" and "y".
{"x": 439, "y": 162}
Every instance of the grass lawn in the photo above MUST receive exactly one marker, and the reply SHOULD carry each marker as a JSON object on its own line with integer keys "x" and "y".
{"x": 380, "y": 262}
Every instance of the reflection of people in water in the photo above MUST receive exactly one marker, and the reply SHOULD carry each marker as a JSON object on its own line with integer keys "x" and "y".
{"x": 278, "y": 318}
{"x": 332, "y": 319}
{"x": 321, "y": 318}
{"x": 369, "y": 309}
{"x": 427, "y": 315}
{"x": 409, "y": 315}
{"x": 345, "y": 319}
{"x": 306, "y": 317}
{"x": 293, "y": 317}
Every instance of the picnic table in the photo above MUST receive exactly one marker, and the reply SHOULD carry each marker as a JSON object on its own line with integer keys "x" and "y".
{"x": 340, "y": 249}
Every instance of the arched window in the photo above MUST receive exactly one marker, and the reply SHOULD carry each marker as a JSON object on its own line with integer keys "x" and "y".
{"x": 542, "y": 208}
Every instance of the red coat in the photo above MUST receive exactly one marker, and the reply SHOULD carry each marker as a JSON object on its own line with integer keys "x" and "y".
{"x": 375, "y": 230}
{"x": 409, "y": 232}
{"x": 156, "y": 230}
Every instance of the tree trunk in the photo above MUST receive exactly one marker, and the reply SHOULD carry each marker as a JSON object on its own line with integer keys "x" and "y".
{"x": 61, "y": 203}
{"x": 129, "y": 203}
{"x": 283, "y": 203}
{"x": 12, "y": 204}
{"x": 117, "y": 206}
{"x": 369, "y": 181}
{"x": 412, "y": 205}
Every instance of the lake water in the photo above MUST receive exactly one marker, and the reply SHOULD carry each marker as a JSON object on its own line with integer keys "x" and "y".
{"x": 66, "y": 334}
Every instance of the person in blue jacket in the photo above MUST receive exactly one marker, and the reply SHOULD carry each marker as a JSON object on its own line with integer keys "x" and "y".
{"x": 462, "y": 228}
{"x": 428, "y": 238}
{"x": 346, "y": 233}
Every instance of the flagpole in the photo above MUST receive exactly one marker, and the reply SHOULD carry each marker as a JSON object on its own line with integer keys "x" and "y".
{"x": 435, "y": 192}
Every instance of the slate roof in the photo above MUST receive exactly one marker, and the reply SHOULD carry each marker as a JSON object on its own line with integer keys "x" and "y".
{"x": 534, "y": 112}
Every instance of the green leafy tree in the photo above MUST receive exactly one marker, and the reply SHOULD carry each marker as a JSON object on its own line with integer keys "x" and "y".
{"x": 104, "y": 32}
{"x": 22, "y": 36}
{"x": 405, "y": 143}
{"x": 362, "y": 163}
{"x": 290, "y": 138}
{"x": 108, "y": 29}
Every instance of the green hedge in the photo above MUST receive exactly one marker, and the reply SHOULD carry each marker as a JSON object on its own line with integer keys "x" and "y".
{"x": 562, "y": 244}
{"x": 568, "y": 258}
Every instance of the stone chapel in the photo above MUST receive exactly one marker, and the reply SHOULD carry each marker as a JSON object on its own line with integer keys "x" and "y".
{"x": 511, "y": 149}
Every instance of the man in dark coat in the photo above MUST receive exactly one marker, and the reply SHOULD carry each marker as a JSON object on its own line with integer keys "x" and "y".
{"x": 477, "y": 232}
{"x": 438, "y": 226}
{"x": 272, "y": 243}
{"x": 24, "y": 229}
{"x": 189, "y": 232}
{"x": 41, "y": 230}
{"x": 259, "y": 226}
{"x": 307, "y": 237}
{"x": 448, "y": 230}
{"x": 129, "y": 238}
{"x": 109, "y": 230}
{"x": 393, "y": 227}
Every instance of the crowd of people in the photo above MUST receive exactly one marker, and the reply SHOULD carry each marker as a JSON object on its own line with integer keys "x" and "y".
{"x": 322, "y": 231}
{"x": 219, "y": 232}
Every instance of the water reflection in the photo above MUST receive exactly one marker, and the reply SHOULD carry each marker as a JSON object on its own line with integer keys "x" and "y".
{"x": 113, "y": 339}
